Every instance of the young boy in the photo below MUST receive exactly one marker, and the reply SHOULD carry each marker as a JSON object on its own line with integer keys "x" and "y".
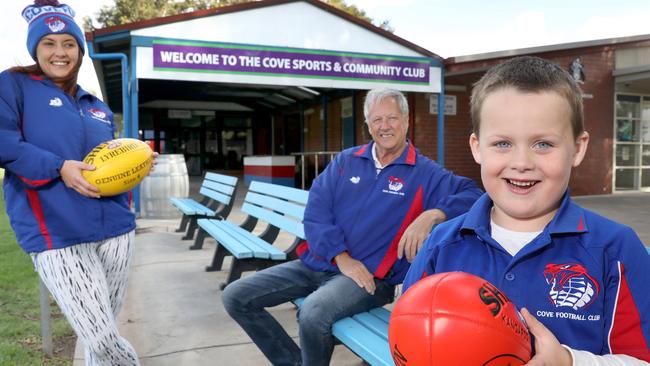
{"x": 583, "y": 278}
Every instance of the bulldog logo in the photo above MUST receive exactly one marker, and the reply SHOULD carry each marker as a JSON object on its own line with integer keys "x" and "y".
{"x": 395, "y": 184}
{"x": 55, "y": 24}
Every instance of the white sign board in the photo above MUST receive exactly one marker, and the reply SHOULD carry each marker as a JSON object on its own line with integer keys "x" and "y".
{"x": 450, "y": 104}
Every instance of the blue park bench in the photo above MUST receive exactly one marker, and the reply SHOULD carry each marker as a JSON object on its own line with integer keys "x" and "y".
{"x": 365, "y": 334}
{"x": 280, "y": 206}
{"x": 218, "y": 193}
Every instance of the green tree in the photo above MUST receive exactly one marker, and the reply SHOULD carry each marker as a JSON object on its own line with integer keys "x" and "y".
{"x": 129, "y": 11}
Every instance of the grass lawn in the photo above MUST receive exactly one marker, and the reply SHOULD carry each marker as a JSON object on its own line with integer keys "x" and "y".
{"x": 20, "y": 339}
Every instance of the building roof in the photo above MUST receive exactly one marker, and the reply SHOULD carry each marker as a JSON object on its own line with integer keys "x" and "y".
{"x": 544, "y": 49}
{"x": 257, "y": 5}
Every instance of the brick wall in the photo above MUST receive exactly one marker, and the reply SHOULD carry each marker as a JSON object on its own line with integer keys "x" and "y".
{"x": 594, "y": 175}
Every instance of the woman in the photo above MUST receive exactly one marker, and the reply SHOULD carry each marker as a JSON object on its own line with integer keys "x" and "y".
{"x": 80, "y": 242}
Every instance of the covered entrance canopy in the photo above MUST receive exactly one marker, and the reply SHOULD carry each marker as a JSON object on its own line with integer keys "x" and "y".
{"x": 269, "y": 54}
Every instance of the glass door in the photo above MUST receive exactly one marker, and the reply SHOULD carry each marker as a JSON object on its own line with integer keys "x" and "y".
{"x": 645, "y": 144}
{"x": 632, "y": 143}
{"x": 191, "y": 144}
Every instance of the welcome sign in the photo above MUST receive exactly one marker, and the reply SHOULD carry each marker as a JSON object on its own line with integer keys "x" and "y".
{"x": 252, "y": 60}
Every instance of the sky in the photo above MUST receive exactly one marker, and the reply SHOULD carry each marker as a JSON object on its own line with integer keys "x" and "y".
{"x": 464, "y": 28}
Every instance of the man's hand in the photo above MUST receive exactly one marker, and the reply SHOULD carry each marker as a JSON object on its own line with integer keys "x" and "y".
{"x": 548, "y": 349}
{"x": 418, "y": 230}
{"x": 71, "y": 174}
{"x": 356, "y": 270}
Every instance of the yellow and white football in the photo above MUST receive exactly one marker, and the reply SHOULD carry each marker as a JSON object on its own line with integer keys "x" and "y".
{"x": 120, "y": 165}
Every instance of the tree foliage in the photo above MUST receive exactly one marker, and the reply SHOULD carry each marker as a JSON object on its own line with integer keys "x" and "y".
{"x": 130, "y": 11}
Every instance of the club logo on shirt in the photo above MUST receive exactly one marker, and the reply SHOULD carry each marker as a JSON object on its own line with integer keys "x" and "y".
{"x": 355, "y": 180}
{"x": 395, "y": 186}
{"x": 56, "y": 102}
{"x": 99, "y": 115}
{"x": 571, "y": 285}
{"x": 55, "y": 24}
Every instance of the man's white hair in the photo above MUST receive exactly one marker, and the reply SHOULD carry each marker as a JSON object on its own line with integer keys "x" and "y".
{"x": 377, "y": 95}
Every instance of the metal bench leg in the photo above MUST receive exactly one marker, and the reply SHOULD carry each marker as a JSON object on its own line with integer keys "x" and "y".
{"x": 248, "y": 264}
{"x": 217, "y": 261}
{"x": 184, "y": 220}
{"x": 190, "y": 231}
{"x": 234, "y": 273}
{"x": 200, "y": 238}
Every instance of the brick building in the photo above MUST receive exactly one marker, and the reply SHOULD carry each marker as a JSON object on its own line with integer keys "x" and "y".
{"x": 614, "y": 75}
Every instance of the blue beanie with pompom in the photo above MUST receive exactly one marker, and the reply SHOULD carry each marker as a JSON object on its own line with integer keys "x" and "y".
{"x": 49, "y": 17}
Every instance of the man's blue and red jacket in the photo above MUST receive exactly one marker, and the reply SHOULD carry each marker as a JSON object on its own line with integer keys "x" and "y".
{"x": 585, "y": 277}
{"x": 352, "y": 208}
{"x": 40, "y": 127}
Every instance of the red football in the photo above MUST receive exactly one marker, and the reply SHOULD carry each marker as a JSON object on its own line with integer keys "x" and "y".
{"x": 456, "y": 318}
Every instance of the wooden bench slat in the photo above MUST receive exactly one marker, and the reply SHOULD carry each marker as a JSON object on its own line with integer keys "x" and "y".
{"x": 230, "y": 235}
{"x": 218, "y": 193}
{"x": 184, "y": 206}
{"x": 288, "y": 193}
{"x": 381, "y": 313}
{"x": 285, "y": 207}
{"x": 176, "y": 199}
{"x": 197, "y": 206}
{"x": 366, "y": 334}
{"x": 257, "y": 250}
{"x": 219, "y": 187}
{"x": 292, "y": 226}
{"x": 237, "y": 249}
{"x": 362, "y": 341}
{"x": 273, "y": 252}
{"x": 191, "y": 207}
{"x": 226, "y": 179}
{"x": 217, "y": 196}
{"x": 375, "y": 324}
{"x": 178, "y": 203}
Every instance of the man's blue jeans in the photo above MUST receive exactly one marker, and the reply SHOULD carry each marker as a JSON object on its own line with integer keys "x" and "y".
{"x": 330, "y": 296}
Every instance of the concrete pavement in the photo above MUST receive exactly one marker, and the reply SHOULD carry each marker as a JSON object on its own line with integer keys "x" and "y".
{"x": 631, "y": 209}
{"x": 173, "y": 313}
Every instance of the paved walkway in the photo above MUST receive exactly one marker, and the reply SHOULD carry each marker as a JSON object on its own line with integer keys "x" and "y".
{"x": 632, "y": 209}
{"x": 173, "y": 313}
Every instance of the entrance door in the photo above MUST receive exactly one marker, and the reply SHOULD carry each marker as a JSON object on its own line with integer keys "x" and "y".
{"x": 645, "y": 144}
{"x": 191, "y": 144}
{"x": 236, "y": 141}
{"x": 347, "y": 123}
{"x": 632, "y": 142}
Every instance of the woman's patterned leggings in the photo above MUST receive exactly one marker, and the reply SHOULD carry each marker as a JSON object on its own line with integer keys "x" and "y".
{"x": 88, "y": 282}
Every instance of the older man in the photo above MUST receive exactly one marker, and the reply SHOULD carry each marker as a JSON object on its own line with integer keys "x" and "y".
{"x": 368, "y": 214}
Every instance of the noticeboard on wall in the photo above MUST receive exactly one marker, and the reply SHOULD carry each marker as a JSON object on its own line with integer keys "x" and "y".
{"x": 450, "y": 104}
